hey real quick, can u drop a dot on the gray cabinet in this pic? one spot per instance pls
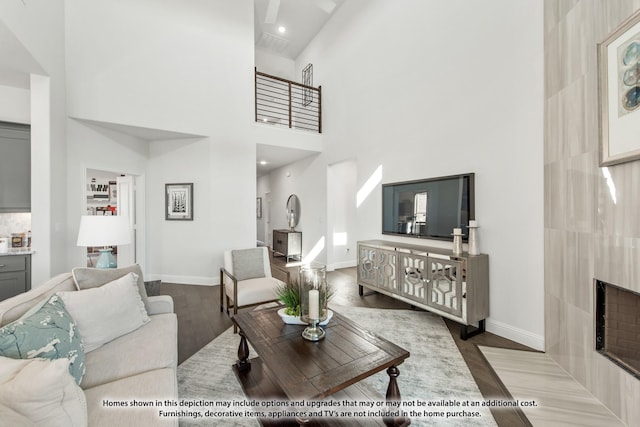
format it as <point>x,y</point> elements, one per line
<point>453,286</point>
<point>15,275</point>
<point>378,268</point>
<point>15,168</point>
<point>288,243</point>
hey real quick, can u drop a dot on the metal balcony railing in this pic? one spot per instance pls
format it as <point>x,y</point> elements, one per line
<point>287,103</point>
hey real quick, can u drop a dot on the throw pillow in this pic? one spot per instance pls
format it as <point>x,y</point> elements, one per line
<point>248,263</point>
<point>108,312</point>
<point>87,278</point>
<point>42,392</point>
<point>46,331</point>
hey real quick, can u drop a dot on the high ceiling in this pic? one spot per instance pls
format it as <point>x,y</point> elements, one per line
<point>302,20</point>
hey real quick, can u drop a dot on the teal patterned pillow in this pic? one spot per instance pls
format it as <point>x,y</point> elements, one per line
<point>48,332</point>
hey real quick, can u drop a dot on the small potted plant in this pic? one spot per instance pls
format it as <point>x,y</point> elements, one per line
<point>289,295</point>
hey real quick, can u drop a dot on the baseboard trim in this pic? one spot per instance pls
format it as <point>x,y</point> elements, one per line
<point>341,264</point>
<point>184,280</point>
<point>518,335</point>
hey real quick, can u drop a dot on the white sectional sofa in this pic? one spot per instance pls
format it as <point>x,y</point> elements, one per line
<point>119,375</point>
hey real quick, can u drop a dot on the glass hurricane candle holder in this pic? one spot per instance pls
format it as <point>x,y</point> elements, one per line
<point>313,299</point>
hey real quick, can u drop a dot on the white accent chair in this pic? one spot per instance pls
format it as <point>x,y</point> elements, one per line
<point>246,280</point>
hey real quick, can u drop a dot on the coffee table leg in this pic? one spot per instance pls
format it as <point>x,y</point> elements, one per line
<point>303,421</point>
<point>393,395</point>
<point>243,363</point>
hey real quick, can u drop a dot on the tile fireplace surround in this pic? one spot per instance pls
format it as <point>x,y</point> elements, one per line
<point>591,214</point>
<point>617,323</point>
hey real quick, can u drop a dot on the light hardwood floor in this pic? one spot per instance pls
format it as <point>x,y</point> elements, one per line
<point>200,321</point>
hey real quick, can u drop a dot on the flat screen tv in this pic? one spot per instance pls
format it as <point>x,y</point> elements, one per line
<point>428,208</point>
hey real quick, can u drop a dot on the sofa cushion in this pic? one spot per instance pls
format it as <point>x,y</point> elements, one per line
<point>159,384</point>
<point>253,291</point>
<point>106,312</point>
<point>47,331</point>
<point>13,418</point>
<point>13,308</point>
<point>153,346</point>
<point>87,278</point>
<point>42,391</point>
<point>248,263</point>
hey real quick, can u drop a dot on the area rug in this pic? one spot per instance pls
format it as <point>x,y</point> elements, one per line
<point>435,378</point>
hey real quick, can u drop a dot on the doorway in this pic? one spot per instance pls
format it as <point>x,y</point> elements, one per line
<point>116,193</point>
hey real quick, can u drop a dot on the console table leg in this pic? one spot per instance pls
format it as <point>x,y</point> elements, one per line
<point>465,333</point>
<point>393,395</point>
<point>361,291</point>
<point>243,363</point>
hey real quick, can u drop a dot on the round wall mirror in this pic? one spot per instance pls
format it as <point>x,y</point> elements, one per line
<point>293,211</point>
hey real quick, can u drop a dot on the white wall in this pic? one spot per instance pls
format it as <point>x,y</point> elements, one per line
<point>341,214</point>
<point>118,152</point>
<point>15,105</point>
<point>269,63</point>
<point>413,92</point>
<point>180,67</point>
<point>38,28</point>
<point>306,179</point>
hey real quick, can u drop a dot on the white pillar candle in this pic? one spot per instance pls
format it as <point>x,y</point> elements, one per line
<point>473,223</point>
<point>457,231</point>
<point>314,304</point>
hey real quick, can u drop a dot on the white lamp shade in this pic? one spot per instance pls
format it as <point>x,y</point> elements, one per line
<point>104,230</point>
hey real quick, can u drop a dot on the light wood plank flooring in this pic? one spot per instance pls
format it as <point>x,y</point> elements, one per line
<point>560,400</point>
<point>200,321</point>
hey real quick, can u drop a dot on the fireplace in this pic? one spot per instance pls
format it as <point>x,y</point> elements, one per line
<point>618,325</point>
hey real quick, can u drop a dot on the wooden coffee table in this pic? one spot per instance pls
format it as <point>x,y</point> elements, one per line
<point>292,368</point>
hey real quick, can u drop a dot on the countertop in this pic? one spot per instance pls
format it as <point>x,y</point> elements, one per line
<point>19,251</point>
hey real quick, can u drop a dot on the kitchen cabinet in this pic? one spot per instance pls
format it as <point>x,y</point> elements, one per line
<point>15,168</point>
<point>15,275</point>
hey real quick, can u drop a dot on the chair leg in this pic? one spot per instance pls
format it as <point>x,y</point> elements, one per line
<point>222,293</point>
<point>235,311</point>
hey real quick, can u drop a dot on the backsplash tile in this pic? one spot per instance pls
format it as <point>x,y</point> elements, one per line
<point>15,223</point>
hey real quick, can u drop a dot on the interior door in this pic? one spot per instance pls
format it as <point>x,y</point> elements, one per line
<point>266,213</point>
<point>127,207</point>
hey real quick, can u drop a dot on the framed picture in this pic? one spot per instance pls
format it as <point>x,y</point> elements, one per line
<point>619,94</point>
<point>179,202</point>
<point>259,207</point>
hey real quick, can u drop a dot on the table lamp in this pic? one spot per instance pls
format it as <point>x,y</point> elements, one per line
<point>104,230</point>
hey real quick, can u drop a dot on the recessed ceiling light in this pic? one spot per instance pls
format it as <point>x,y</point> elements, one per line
<point>262,162</point>
<point>282,29</point>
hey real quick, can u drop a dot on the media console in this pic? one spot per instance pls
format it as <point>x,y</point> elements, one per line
<point>435,279</point>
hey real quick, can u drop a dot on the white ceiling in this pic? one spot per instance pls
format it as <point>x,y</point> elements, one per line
<point>302,19</point>
<point>277,157</point>
<point>15,61</point>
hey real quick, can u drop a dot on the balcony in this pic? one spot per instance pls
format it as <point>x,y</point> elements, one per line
<point>282,102</point>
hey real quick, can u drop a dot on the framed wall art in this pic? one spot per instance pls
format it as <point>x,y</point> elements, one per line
<point>179,202</point>
<point>619,93</point>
